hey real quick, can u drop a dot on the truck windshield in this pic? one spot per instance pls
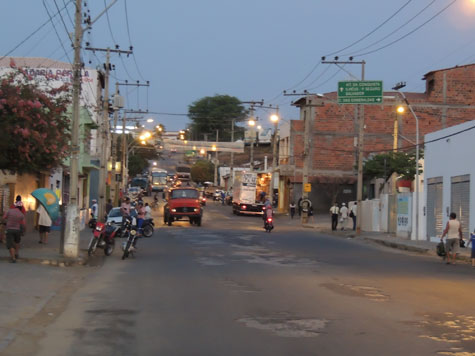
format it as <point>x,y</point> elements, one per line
<point>184,193</point>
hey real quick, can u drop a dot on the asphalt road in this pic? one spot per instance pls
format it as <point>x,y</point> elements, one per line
<point>229,288</point>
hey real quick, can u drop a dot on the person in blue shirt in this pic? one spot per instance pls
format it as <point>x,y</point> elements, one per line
<point>472,241</point>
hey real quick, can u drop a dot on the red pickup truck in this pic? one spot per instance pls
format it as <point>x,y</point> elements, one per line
<point>183,202</point>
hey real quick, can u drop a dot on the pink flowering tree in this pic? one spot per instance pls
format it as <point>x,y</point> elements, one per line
<point>34,127</point>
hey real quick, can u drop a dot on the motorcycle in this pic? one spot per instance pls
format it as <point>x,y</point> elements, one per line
<point>103,237</point>
<point>268,219</point>
<point>268,224</point>
<point>128,247</point>
<point>147,227</point>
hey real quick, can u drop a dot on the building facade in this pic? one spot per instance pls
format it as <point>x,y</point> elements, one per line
<point>447,101</point>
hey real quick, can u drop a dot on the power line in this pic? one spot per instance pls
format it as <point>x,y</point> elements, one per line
<point>396,30</point>
<point>373,31</point>
<point>407,34</point>
<point>62,20</point>
<point>130,40</point>
<point>57,34</point>
<point>330,78</point>
<point>33,33</point>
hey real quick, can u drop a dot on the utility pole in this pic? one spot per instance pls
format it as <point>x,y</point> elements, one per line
<point>105,153</point>
<point>360,147</point>
<point>308,117</point>
<point>71,242</point>
<point>274,157</point>
<point>252,123</point>
<point>105,141</point>
<point>232,140</point>
<point>216,161</point>
<point>114,194</point>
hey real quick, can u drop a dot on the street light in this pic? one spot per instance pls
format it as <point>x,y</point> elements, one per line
<point>213,148</point>
<point>275,119</point>
<point>149,120</point>
<point>202,151</point>
<point>397,87</point>
<point>252,123</point>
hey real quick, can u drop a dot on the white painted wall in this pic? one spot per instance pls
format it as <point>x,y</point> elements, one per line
<point>449,157</point>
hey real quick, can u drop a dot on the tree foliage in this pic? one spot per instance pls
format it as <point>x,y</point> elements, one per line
<point>35,130</point>
<point>202,171</point>
<point>213,113</point>
<point>137,164</point>
<point>385,164</point>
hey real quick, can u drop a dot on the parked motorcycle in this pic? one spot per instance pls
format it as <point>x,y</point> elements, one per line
<point>103,237</point>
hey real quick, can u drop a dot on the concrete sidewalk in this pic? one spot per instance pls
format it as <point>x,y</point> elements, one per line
<point>322,223</point>
<point>33,252</point>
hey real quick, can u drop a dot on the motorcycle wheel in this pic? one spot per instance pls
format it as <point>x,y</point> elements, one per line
<point>92,246</point>
<point>147,230</point>
<point>109,249</point>
<point>169,221</point>
<point>126,250</point>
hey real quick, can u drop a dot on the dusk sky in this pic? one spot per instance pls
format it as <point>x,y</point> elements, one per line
<point>250,49</point>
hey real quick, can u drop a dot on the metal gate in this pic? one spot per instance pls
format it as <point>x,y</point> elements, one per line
<point>434,207</point>
<point>460,200</point>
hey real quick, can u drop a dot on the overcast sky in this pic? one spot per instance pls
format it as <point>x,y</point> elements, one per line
<point>249,49</point>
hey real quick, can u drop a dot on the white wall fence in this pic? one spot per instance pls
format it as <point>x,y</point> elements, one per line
<point>395,215</point>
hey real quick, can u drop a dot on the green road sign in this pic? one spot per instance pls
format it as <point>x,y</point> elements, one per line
<point>360,92</point>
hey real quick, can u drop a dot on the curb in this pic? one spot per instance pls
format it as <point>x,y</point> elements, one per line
<point>55,262</point>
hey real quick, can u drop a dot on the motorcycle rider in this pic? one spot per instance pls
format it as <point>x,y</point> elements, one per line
<point>268,213</point>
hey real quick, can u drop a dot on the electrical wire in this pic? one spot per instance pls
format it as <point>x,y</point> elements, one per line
<point>33,33</point>
<point>57,34</point>
<point>130,41</point>
<point>407,34</point>
<point>330,78</point>
<point>396,30</point>
<point>62,20</point>
<point>373,31</point>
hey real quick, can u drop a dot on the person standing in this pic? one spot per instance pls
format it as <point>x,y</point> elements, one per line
<point>14,220</point>
<point>94,208</point>
<point>353,211</point>
<point>44,224</point>
<point>292,209</point>
<point>334,211</point>
<point>148,212</point>
<point>453,230</point>
<point>344,215</point>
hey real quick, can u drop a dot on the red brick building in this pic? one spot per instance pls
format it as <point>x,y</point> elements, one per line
<point>449,100</point>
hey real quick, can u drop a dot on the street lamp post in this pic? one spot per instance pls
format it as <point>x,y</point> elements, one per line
<point>252,123</point>
<point>397,87</point>
<point>275,119</point>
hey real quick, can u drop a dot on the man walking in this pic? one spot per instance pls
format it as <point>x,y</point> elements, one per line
<point>334,211</point>
<point>14,219</point>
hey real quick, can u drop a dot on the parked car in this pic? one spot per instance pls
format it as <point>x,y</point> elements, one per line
<point>183,203</point>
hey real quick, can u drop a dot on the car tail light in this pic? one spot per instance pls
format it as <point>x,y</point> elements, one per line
<point>269,219</point>
<point>244,207</point>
